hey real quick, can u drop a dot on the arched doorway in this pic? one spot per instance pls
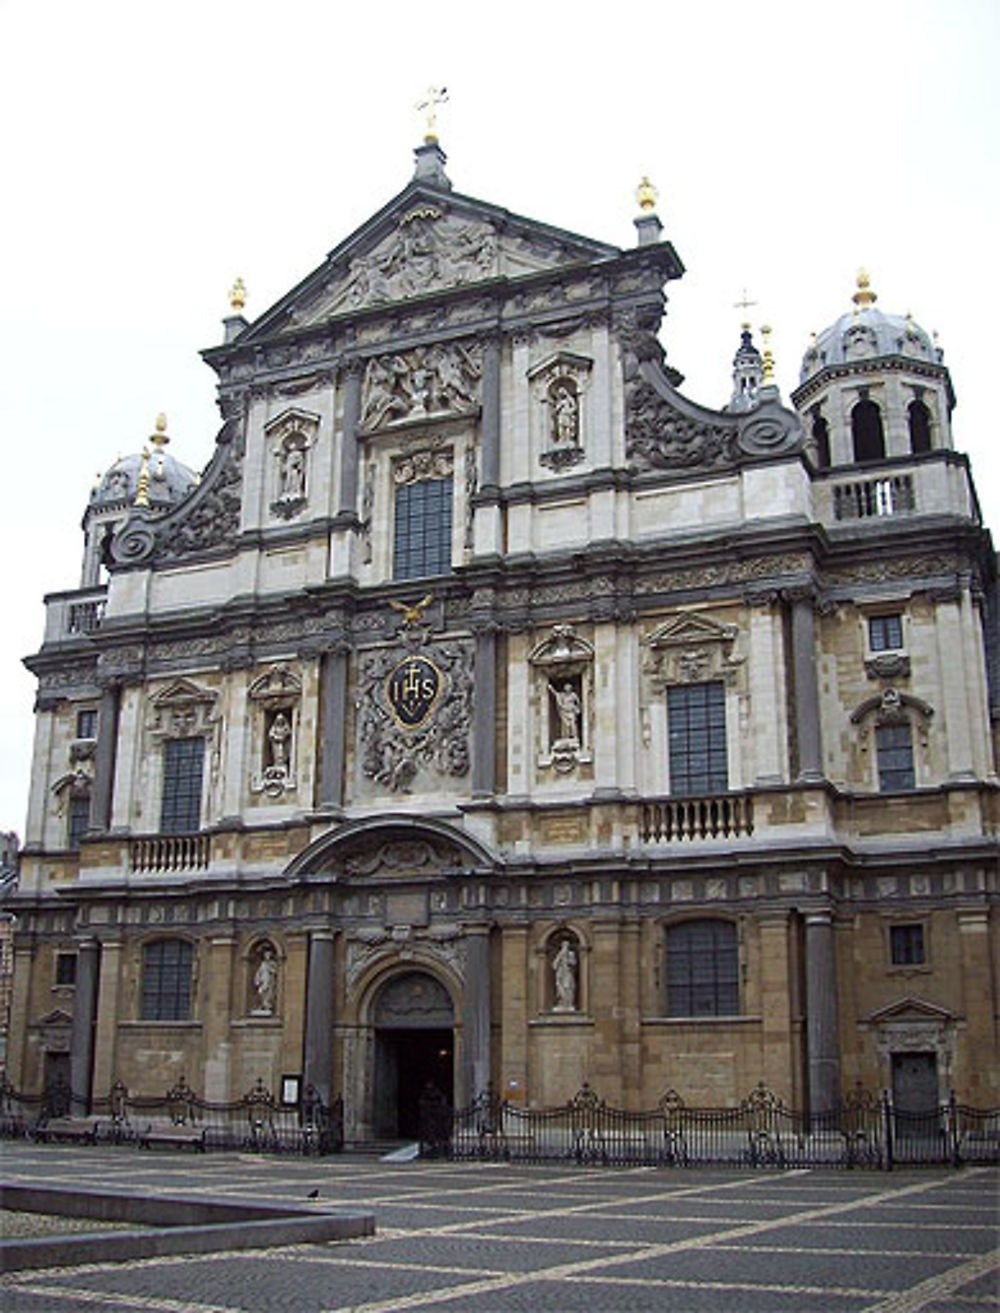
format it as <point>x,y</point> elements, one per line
<point>414,1049</point>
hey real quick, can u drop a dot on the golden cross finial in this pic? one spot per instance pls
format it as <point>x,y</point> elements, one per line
<point>767,355</point>
<point>744,304</point>
<point>428,106</point>
<point>238,295</point>
<point>646,194</point>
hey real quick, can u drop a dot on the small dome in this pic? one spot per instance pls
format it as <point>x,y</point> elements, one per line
<point>169,480</point>
<point>866,333</point>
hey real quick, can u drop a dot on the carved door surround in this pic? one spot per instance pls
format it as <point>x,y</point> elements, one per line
<point>912,1025</point>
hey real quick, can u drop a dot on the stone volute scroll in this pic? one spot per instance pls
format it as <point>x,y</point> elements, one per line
<point>559,385</point>
<point>562,673</point>
<point>275,698</point>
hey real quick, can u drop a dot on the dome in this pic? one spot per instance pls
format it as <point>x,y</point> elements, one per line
<point>866,333</point>
<point>169,480</point>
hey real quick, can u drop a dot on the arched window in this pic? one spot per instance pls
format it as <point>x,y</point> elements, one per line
<point>166,980</point>
<point>702,969</point>
<point>920,426</point>
<point>866,430</point>
<point>821,436</point>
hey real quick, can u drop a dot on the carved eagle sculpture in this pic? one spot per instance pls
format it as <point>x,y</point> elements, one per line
<point>412,615</point>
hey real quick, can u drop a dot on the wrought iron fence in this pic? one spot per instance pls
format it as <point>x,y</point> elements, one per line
<point>178,1118</point>
<point>865,1131</point>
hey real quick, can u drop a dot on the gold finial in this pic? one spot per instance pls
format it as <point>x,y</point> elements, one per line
<point>159,438</point>
<point>767,355</point>
<point>864,296</point>
<point>142,483</point>
<point>428,106</point>
<point>647,195</point>
<point>238,296</point>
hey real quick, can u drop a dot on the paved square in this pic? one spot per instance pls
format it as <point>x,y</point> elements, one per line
<point>546,1238</point>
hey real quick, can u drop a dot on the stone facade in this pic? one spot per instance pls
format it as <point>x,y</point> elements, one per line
<point>491,714</point>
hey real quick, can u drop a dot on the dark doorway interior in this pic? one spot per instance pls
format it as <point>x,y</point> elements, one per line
<point>407,1061</point>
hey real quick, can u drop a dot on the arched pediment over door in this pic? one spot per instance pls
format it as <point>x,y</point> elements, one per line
<point>392,845</point>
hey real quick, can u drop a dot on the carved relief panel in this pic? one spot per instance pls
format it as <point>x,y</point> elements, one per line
<point>428,382</point>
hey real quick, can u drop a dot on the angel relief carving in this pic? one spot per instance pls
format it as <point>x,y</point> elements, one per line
<point>427,381</point>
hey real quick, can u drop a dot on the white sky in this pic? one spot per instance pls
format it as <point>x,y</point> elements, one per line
<point>154,152</point>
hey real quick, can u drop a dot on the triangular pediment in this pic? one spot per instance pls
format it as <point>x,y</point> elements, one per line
<point>911,1009</point>
<point>423,242</point>
<point>182,692</point>
<point>691,627</point>
<point>57,1017</point>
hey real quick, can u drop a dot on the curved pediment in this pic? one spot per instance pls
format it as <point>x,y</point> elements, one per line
<point>393,846</point>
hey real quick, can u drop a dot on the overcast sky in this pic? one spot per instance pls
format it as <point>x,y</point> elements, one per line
<point>155,152</point>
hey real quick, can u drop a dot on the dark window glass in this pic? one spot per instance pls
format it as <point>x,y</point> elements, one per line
<point>86,724</point>
<point>65,968</point>
<point>866,430</point>
<point>894,747</point>
<point>821,436</point>
<point>422,532</point>
<point>907,944</point>
<point>920,427</point>
<point>79,820</point>
<point>166,980</point>
<point>885,633</point>
<point>702,970</point>
<point>183,764</point>
<point>696,726</point>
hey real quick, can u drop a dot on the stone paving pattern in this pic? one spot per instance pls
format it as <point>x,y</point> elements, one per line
<point>477,1237</point>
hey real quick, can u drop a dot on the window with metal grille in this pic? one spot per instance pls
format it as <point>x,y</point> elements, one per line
<point>166,980</point>
<point>885,633</point>
<point>894,750</point>
<point>183,767</point>
<point>702,969</point>
<point>696,729</point>
<point>906,944</point>
<point>65,968</point>
<point>79,820</point>
<point>422,529</point>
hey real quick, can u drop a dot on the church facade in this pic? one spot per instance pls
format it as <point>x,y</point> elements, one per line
<point>490,714</point>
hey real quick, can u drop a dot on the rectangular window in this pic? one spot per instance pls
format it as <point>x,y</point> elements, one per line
<point>166,981</point>
<point>894,748</point>
<point>183,766</point>
<point>79,820</point>
<point>906,943</point>
<point>885,633</point>
<point>86,724</point>
<point>422,530</point>
<point>702,969</point>
<point>696,719</point>
<point>65,968</point>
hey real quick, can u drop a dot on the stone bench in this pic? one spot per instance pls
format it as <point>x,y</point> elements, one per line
<point>172,1137</point>
<point>81,1129</point>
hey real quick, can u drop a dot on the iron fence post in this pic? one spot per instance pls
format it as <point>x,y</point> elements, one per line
<point>887,1129</point>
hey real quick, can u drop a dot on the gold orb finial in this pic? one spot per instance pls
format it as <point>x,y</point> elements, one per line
<point>238,295</point>
<point>647,195</point>
<point>767,355</point>
<point>864,296</point>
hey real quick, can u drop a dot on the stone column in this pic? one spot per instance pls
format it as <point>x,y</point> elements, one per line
<point>821,1013</point>
<point>317,1068</point>
<point>353,375</point>
<point>333,718</point>
<point>81,1044</point>
<point>484,746</point>
<point>104,760</point>
<point>476,1072</point>
<point>490,422</point>
<point>806,684</point>
<point>105,1065</point>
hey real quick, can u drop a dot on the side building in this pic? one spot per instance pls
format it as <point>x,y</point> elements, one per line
<point>489,713</point>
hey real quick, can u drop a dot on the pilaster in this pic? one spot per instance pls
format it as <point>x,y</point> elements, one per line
<point>81,1053</point>
<point>317,1066</point>
<point>821,1013</point>
<point>476,1071</point>
<point>108,1006</point>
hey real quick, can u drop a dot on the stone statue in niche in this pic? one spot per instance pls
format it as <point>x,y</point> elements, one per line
<point>265,983</point>
<point>277,737</point>
<point>565,415</point>
<point>277,752</point>
<point>292,473</point>
<point>564,966</point>
<point>568,709</point>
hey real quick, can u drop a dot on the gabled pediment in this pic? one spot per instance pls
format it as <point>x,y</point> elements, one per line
<point>182,692</point>
<point>57,1017</point>
<point>424,241</point>
<point>691,627</point>
<point>910,1009</point>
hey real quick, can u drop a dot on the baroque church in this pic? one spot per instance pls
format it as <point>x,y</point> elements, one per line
<point>490,714</point>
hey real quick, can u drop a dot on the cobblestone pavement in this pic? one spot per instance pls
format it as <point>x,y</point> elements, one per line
<point>502,1238</point>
